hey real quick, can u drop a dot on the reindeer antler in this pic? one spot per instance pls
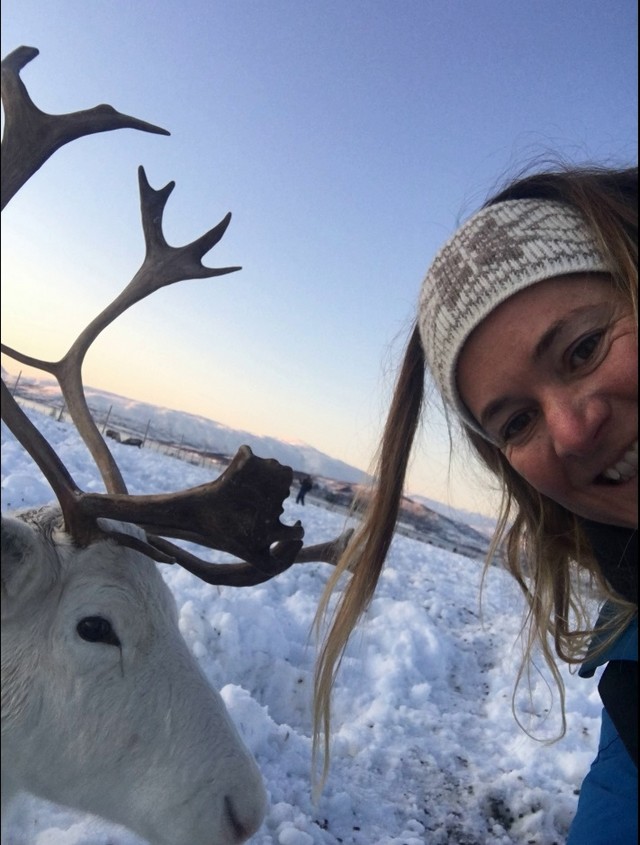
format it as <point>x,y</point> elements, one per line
<point>163,265</point>
<point>238,512</point>
<point>31,136</point>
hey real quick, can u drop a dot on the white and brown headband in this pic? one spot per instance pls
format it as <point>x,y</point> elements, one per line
<point>501,250</point>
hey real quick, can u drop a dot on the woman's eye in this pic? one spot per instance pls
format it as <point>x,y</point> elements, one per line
<point>584,350</point>
<point>516,425</point>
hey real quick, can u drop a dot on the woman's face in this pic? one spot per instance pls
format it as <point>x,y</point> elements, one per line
<point>551,375</point>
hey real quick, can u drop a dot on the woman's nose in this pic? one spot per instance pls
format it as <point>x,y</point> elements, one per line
<point>575,422</point>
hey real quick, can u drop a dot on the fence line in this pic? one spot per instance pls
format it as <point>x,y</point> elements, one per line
<point>188,454</point>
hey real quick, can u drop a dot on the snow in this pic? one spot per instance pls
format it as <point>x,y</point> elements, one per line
<point>426,750</point>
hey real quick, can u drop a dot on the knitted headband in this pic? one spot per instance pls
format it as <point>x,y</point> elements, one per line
<point>499,251</point>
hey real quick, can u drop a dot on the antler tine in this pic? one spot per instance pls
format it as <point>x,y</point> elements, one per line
<point>330,552</point>
<point>166,264</point>
<point>31,136</point>
<point>283,555</point>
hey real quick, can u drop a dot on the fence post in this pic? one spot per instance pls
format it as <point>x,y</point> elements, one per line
<point>106,419</point>
<point>15,386</point>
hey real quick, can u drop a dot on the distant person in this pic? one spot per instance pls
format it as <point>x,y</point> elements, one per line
<point>527,325</point>
<point>305,485</point>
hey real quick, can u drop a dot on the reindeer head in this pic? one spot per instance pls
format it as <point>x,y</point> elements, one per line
<point>103,707</point>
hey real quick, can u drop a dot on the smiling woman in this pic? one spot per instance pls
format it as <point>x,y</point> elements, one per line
<point>527,324</point>
<point>558,393</point>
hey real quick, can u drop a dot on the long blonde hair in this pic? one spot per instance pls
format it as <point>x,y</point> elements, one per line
<point>545,548</point>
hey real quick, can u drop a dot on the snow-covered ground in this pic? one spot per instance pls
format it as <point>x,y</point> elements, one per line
<point>426,750</point>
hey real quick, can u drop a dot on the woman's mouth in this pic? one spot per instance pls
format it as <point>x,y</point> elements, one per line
<point>624,469</point>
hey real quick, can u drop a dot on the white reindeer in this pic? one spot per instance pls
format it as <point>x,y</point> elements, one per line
<point>103,707</point>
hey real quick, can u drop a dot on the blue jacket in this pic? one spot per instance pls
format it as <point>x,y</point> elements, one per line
<point>608,805</point>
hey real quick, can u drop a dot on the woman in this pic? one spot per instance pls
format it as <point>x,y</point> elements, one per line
<point>527,324</point>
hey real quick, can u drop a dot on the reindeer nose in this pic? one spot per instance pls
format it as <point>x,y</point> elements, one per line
<point>243,822</point>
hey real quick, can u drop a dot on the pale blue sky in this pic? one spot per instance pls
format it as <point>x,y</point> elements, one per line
<point>347,138</point>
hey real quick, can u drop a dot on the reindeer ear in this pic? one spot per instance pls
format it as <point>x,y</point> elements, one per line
<point>22,553</point>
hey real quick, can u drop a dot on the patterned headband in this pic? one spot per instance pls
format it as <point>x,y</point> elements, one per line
<point>499,251</point>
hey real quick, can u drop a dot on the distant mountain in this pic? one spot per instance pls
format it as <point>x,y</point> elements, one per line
<point>484,524</point>
<point>415,519</point>
<point>336,484</point>
<point>129,417</point>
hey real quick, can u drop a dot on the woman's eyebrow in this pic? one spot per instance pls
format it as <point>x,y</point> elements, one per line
<point>549,337</point>
<point>492,409</point>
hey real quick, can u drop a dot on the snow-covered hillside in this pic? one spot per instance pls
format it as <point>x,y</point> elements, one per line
<point>425,749</point>
<point>164,425</point>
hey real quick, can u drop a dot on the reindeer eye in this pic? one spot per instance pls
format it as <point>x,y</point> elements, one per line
<point>96,629</point>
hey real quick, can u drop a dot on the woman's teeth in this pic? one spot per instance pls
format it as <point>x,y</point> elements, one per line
<point>626,467</point>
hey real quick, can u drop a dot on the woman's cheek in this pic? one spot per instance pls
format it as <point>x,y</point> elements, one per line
<point>530,465</point>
